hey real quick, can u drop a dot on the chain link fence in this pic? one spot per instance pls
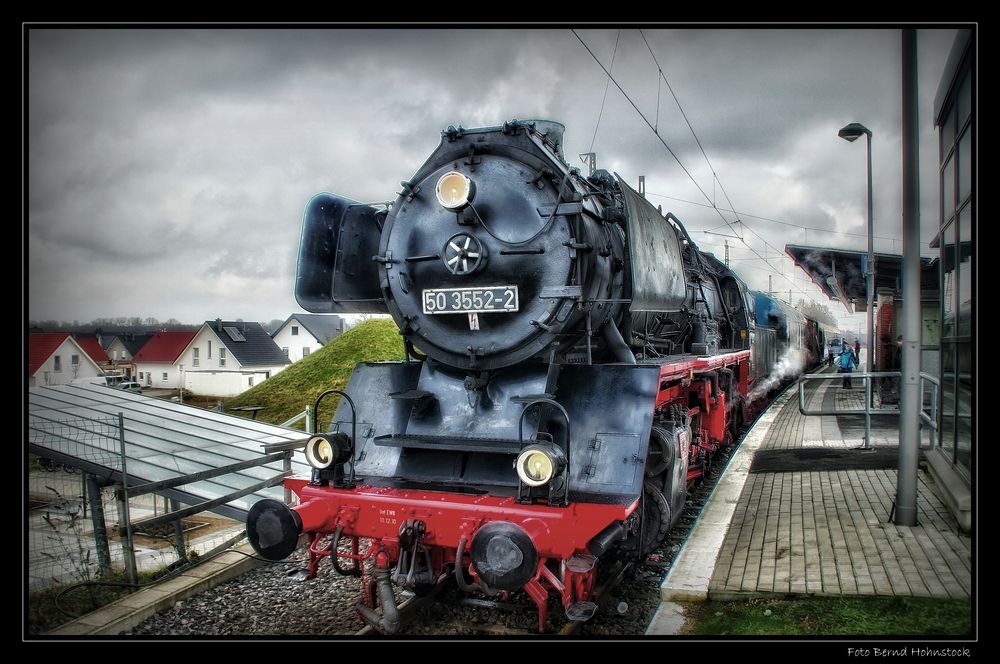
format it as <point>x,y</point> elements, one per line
<point>77,512</point>
<point>72,514</point>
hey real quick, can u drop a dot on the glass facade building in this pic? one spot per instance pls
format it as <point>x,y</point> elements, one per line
<point>955,119</point>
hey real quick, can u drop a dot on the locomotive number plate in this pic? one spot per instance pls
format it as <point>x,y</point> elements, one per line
<point>498,299</point>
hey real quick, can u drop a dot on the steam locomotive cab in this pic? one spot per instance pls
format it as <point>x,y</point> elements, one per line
<point>572,356</point>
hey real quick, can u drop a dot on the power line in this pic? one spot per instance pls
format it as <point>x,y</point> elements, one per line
<point>776,221</point>
<point>683,168</point>
<point>715,177</point>
<point>646,120</point>
<point>606,86</point>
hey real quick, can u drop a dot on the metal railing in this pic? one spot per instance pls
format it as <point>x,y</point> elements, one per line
<point>96,448</point>
<point>927,419</point>
<point>930,419</point>
<point>304,415</point>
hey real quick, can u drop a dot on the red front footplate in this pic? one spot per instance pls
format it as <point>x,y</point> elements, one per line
<point>378,512</point>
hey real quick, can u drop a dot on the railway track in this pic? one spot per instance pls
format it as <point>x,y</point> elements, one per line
<point>264,602</point>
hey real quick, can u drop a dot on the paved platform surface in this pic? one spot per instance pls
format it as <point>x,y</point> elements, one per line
<point>815,532</point>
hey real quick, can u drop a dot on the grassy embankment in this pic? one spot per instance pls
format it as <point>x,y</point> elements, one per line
<point>287,393</point>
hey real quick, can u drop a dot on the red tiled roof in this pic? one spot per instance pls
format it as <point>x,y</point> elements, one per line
<point>40,346</point>
<point>164,347</point>
<point>92,348</point>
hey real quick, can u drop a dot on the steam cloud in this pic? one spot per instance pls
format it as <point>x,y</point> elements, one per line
<point>791,363</point>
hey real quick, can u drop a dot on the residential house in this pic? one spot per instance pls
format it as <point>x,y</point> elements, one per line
<point>92,346</point>
<point>56,358</point>
<point>302,334</point>
<point>228,357</point>
<point>123,347</point>
<point>156,363</point>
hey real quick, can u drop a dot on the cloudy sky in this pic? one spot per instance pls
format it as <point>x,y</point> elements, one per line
<point>168,169</point>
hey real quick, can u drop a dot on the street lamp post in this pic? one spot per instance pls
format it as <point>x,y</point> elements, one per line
<point>851,133</point>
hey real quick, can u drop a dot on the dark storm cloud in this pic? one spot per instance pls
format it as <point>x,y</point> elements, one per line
<point>188,155</point>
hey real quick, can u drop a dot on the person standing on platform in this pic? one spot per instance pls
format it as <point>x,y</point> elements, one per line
<point>857,351</point>
<point>847,362</point>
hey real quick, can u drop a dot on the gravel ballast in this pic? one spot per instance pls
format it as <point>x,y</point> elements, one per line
<point>266,602</point>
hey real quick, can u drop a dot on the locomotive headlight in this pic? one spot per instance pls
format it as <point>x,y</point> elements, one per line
<point>319,452</point>
<point>324,450</point>
<point>454,191</point>
<point>538,464</point>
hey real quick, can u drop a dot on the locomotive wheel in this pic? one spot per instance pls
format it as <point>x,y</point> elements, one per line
<point>656,518</point>
<point>661,453</point>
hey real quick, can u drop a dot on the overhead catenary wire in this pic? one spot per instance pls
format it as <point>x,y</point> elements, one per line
<point>776,221</point>
<point>686,171</point>
<point>606,86</point>
<point>715,176</point>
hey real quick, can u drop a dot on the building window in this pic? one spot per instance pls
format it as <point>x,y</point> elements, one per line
<point>74,360</point>
<point>222,356</point>
<point>250,381</point>
<point>267,374</point>
<point>57,364</point>
<point>295,330</point>
<point>164,376</point>
<point>956,240</point>
<point>209,349</point>
<point>305,351</point>
<point>140,375</point>
<point>284,349</point>
<point>194,359</point>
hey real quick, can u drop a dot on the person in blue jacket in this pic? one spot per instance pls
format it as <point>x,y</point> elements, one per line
<point>845,364</point>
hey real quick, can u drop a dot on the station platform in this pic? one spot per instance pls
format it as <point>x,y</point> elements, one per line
<point>802,511</point>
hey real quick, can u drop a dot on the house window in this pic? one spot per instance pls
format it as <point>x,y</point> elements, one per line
<point>74,360</point>
<point>194,359</point>
<point>140,375</point>
<point>284,349</point>
<point>305,351</point>
<point>267,374</point>
<point>57,364</point>
<point>250,381</point>
<point>222,356</point>
<point>295,330</point>
<point>164,376</point>
<point>210,349</point>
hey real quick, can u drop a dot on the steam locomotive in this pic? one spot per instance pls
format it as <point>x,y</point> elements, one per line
<point>574,362</point>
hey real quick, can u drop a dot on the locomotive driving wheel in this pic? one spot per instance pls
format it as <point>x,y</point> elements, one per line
<point>656,519</point>
<point>661,453</point>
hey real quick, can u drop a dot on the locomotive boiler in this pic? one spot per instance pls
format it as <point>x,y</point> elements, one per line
<point>574,361</point>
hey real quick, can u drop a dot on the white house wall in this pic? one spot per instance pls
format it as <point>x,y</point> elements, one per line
<point>47,374</point>
<point>117,351</point>
<point>285,339</point>
<point>222,383</point>
<point>205,335</point>
<point>152,374</point>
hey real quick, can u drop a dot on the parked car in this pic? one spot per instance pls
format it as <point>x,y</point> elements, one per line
<point>131,387</point>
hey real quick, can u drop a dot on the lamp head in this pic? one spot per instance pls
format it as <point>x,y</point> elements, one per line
<point>853,132</point>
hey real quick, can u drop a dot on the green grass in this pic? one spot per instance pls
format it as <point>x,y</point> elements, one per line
<point>827,616</point>
<point>286,394</point>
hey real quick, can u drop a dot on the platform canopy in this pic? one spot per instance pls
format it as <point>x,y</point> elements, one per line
<point>839,273</point>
